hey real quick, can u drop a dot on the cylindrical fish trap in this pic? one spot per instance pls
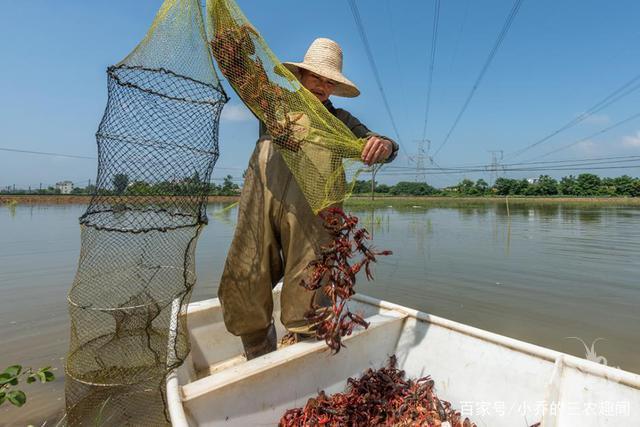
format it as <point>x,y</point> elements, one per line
<point>157,145</point>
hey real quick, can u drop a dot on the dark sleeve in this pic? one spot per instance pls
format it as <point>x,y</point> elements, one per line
<point>262,129</point>
<point>263,132</point>
<point>361,131</point>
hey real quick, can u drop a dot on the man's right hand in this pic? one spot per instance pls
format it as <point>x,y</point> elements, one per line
<point>376,150</point>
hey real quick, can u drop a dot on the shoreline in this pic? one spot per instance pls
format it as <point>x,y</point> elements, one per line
<point>71,199</point>
<point>80,199</point>
<point>406,200</point>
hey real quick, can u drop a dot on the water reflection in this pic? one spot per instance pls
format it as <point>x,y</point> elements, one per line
<point>467,212</point>
<point>11,207</point>
<point>588,215</point>
<point>225,213</point>
<point>374,221</point>
<point>545,212</point>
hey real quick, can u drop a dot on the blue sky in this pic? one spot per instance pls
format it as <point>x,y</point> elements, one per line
<point>558,59</point>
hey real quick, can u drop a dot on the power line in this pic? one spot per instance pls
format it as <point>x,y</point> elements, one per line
<point>586,161</point>
<point>363,36</point>
<point>616,95</point>
<point>396,58</point>
<point>434,39</point>
<point>459,35</point>
<point>485,67</point>
<point>600,132</point>
<point>580,164</point>
<point>523,169</point>
<point>78,156</point>
<point>43,153</point>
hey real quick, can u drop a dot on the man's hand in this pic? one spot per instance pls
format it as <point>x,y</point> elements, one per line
<point>376,150</point>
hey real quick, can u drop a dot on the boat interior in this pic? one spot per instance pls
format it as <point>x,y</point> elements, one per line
<point>493,379</point>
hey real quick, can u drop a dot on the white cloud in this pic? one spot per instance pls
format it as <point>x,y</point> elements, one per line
<point>587,147</point>
<point>236,113</point>
<point>597,119</point>
<point>632,141</point>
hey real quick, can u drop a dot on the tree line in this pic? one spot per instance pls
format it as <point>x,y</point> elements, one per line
<point>122,185</point>
<point>186,186</point>
<point>585,184</point>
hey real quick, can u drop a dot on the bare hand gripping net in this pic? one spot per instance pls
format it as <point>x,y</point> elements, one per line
<point>157,145</point>
<point>315,144</point>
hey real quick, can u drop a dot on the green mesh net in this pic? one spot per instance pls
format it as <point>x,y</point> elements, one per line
<point>157,145</point>
<point>316,146</point>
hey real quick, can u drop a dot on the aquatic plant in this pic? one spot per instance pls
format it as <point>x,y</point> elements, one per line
<point>590,353</point>
<point>11,377</point>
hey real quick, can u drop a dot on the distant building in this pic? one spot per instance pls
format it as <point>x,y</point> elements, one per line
<point>65,187</point>
<point>532,180</point>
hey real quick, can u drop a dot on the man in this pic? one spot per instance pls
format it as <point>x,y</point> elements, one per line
<point>277,234</point>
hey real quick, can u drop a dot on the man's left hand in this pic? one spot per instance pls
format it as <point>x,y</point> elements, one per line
<point>376,150</point>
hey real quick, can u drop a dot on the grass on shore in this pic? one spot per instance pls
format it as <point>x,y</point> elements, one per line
<point>379,201</point>
<point>403,201</point>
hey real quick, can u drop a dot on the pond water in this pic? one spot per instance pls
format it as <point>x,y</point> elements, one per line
<point>541,273</point>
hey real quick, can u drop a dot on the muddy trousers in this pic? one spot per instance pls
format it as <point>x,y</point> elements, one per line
<point>276,237</point>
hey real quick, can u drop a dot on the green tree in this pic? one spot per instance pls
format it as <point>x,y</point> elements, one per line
<point>214,189</point>
<point>546,186</point>
<point>120,182</point>
<point>362,186</point>
<point>587,184</point>
<point>607,187</point>
<point>140,188</point>
<point>228,187</point>
<point>407,188</point>
<point>481,187</point>
<point>624,185</point>
<point>503,186</point>
<point>382,188</point>
<point>466,187</point>
<point>521,187</point>
<point>191,185</point>
<point>635,188</point>
<point>568,186</point>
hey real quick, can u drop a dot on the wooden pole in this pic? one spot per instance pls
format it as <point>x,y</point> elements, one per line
<point>373,182</point>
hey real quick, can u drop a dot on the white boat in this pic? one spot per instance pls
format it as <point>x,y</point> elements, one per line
<point>492,379</point>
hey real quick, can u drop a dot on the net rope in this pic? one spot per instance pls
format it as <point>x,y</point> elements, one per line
<point>318,148</point>
<point>157,146</point>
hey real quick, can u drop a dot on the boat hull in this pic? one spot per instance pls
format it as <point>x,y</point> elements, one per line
<point>492,379</point>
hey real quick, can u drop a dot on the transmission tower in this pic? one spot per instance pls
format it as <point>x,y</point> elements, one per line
<point>419,159</point>
<point>495,166</point>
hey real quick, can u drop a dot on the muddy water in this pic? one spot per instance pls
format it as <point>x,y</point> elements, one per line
<point>539,273</point>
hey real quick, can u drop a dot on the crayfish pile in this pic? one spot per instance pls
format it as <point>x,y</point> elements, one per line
<point>379,397</point>
<point>333,273</point>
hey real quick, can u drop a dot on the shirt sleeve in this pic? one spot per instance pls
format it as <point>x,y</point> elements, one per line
<point>361,131</point>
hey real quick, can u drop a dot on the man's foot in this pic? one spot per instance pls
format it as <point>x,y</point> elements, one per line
<point>260,343</point>
<point>291,338</point>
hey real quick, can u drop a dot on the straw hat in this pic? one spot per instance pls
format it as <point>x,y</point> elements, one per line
<point>324,57</point>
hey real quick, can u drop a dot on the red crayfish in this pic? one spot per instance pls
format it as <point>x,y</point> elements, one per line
<point>380,397</point>
<point>333,274</point>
